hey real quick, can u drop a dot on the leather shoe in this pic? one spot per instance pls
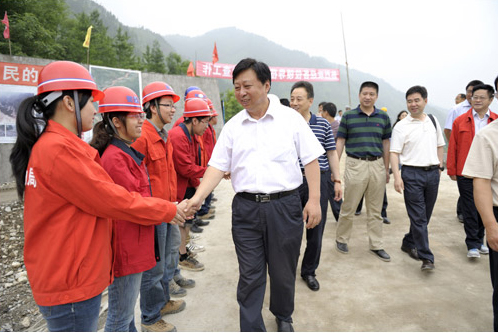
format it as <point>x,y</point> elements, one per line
<point>342,247</point>
<point>411,252</point>
<point>427,265</point>
<point>200,223</point>
<point>386,220</point>
<point>195,228</point>
<point>312,282</point>
<point>381,254</point>
<point>284,326</point>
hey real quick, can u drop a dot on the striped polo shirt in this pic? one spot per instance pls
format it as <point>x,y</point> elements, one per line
<point>323,132</point>
<point>363,133</point>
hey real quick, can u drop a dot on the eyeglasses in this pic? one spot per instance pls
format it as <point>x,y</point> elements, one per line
<point>205,122</point>
<point>169,106</point>
<point>140,115</point>
<point>479,98</point>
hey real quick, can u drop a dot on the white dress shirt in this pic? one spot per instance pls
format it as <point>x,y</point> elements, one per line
<point>417,141</point>
<point>456,111</point>
<point>478,122</point>
<point>262,155</point>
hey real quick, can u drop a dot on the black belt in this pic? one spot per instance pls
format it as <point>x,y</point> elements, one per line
<point>368,158</point>
<point>261,197</point>
<point>426,168</point>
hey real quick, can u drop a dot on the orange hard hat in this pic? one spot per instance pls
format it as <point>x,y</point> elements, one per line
<point>158,89</point>
<point>196,107</point>
<point>214,113</point>
<point>67,75</point>
<point>120,99</point>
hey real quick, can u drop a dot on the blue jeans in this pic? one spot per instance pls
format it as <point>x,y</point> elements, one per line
<point>73,317</point>
<point>153,293</point>
<point>172,258</point>
<point>123,294</point>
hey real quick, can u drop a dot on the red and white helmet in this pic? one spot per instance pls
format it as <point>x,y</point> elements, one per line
<point>195,93</point>
<point>67,75</point>
<point>214,113</point>
<point>158,89</point>
<point>196,107</point>
<point>120,99</point>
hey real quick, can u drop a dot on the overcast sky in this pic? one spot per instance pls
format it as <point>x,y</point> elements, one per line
<point>441,44</point>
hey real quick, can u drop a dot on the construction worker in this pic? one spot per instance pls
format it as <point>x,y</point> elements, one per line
<point>69,199</point>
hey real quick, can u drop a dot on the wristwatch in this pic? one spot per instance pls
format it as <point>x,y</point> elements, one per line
<point>441,168</point>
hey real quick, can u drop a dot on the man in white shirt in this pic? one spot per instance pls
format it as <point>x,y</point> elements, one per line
<point>260,147</point>
<point>417,141</point>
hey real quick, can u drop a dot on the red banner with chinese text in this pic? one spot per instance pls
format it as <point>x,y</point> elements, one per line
<point>278,74</point>
<point>20,74</point>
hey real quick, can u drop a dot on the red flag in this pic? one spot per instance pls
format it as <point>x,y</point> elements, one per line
<point>190,70</point>
<point>215,54</point>
<point>6,32</point>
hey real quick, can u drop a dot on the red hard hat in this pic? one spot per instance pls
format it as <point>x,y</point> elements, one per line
<point>196,94</point>
<point>67,75</point>
<point>158,89</point>
<point>211,106</point>
<point>119,99</point>
<point>196,107</point>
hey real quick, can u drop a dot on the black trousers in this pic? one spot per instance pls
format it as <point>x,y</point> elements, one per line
<point>472,222</point>
<point>334,205</point>
<point>421,188</point>
<point>311,257</point>
<point>493,269</point>
<point>267,237</point>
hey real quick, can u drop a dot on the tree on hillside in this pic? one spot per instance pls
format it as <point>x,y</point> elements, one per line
<point>125,57</point>
<point>35,27</point>
<point>232,106</point>
<point>176,65</point>
<point>153,59</point>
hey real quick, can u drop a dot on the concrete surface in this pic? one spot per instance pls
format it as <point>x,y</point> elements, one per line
<point>358,291</point>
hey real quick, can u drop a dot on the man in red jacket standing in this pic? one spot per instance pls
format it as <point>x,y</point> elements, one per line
<point>462,134</point>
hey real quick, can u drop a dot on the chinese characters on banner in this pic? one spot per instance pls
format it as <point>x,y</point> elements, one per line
<point>19,74</point>
<point>282,74</point>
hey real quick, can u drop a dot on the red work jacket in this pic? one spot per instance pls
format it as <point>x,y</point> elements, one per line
<point>69,203</point>
<point>209,140</point>
<point>186,156</point>
<point>462,135</point>
<point>133,243</point>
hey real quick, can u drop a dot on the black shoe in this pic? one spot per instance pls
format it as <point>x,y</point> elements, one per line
<point>381,254</point>
<point>386,220</point>
<point>284,326</point>
<point>214,199</point>
<point>411,252</point>
<point>460,218</point>
<point>195,228</point>
<point>312,282</point>
<point>200,223</point>
<point>357,213</point>
<point>342,247</point>
<point>427,265</point>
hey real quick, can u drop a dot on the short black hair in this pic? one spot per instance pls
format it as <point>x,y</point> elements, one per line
<point>322,103</point>
<point>487,87</point>
<point>306,85</point>
<point>260,68</point>
<point>473,83</point>
<point>370,84</point>
<point>330,108</point>
<point>417,89</point>
<point>496,83</point>
<point>463,96</point>
<point>284,101</point>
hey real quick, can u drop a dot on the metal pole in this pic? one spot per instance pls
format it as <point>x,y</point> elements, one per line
<point>346,55</point>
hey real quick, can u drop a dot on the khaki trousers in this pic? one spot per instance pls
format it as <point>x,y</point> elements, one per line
<point>369,178</point>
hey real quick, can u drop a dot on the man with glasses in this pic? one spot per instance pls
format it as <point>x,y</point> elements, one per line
<point>482,166</point>
<point>464,129</point>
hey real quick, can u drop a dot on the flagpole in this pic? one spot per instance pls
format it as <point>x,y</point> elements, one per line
<point>346,56</point>
<point>10,50</point>
<point>88,56</point>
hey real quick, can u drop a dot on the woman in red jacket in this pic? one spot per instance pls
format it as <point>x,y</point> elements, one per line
<point>133,243</point>
<point>69,199</point>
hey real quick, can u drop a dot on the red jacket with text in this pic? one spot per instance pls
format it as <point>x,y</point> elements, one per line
<point>187,159</point>
<point>69,203</point>
<point>462,135</point>
<point>133,243</point>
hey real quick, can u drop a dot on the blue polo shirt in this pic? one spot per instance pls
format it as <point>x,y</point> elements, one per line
<point>363,133</point>
<point>323,132</point>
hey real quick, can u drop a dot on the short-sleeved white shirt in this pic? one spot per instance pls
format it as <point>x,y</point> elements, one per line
<point>482,160</point>
<point>455,112</point>
<point>262,155</point>
<point>417,141</point>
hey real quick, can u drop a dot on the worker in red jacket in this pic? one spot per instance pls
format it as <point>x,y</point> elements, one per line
<point>69,199</point>
<point>155,295</point>
<point>463,131</point>
<point>133,243</point>
<point>186,155</point>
